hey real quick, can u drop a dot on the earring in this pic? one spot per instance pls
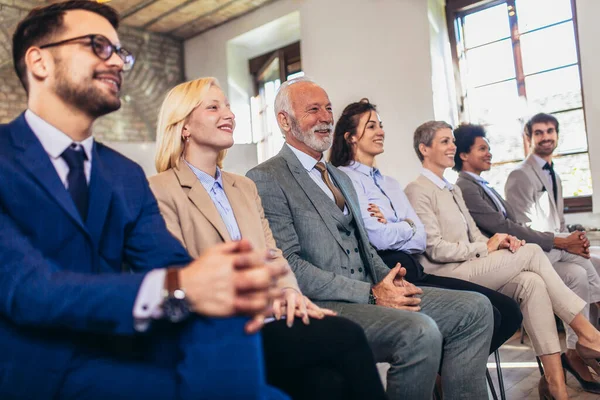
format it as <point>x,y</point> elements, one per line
<point>186,138</point>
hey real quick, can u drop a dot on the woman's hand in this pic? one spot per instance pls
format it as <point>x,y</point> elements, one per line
<point>376,213</point>
<point>294,304</point>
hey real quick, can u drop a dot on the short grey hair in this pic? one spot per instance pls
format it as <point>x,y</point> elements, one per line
<point>425,134</point>
<point>282,100</point>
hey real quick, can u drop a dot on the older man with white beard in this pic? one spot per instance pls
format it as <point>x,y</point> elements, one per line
<point>313,213</point>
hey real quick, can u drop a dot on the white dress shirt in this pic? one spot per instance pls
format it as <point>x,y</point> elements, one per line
<point>309,165</point>
<point>149,299</point>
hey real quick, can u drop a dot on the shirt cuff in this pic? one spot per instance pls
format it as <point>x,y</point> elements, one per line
<point>149,299</point>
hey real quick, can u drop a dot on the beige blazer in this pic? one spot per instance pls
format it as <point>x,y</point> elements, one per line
<point>193,219</point>
<point>530,194</point>
<point>449,242</point>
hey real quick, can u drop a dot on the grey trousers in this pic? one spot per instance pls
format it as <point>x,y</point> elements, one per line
<point>453,328</point>
<point>580,276</point>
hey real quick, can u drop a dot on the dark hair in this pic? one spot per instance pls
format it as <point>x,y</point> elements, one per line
<point>540,118</point>
<point>464,137</point>
<point>341,152</point>
<point>44,22</point>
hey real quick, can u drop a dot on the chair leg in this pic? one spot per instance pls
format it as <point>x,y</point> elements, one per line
<point>522,333</point>
<point>540,365</point>
<point>491,384</point>
<point>500,377</point>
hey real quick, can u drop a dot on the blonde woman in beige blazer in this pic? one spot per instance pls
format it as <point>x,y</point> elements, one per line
<point>203,205</point>
<point>455,247</point>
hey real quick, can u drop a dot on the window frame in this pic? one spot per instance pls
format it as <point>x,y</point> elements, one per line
<point>456,9</point>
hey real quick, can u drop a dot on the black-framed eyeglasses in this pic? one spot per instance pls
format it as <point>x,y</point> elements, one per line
<point>102,47</point>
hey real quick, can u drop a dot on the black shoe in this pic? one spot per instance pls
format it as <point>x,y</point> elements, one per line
<point>592,387</point>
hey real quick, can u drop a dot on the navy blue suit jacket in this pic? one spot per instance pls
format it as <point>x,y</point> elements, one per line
<point>61,282</point>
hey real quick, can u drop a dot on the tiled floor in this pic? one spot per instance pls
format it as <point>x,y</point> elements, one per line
<point>521,373</point>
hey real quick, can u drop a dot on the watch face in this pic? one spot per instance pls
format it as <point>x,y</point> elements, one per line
<point>175,310</point>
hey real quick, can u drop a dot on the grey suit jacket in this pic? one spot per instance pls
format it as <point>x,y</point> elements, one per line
<point>490,219</point>
<point>528,192</point>
<point>306,231</point>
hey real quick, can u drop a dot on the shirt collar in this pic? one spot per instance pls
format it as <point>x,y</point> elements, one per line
<point>541,162</point>
<point>478,178</point>
<point>54,141</point>
<point>439,182</point>
<point>364,169</point>
<point>307,161</point>
<point>207,181</point>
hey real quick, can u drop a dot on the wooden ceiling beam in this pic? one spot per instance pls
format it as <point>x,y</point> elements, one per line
<point>167,13</point>
<point>137,8</point>
<point>203,16</point>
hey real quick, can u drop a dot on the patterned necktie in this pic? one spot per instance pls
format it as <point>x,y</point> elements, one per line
<point>337,195</point>
<point>74,156</point>
<point>550,167</point>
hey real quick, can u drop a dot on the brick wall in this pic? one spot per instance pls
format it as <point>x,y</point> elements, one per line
<point>158,68</point>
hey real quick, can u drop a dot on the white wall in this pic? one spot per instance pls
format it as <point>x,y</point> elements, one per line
<point>354,48</point>
<point>589,31</point>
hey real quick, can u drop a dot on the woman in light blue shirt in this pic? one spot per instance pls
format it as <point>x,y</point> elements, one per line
<point>393,227</point>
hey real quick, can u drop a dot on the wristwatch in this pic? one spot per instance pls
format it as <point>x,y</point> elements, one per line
<point>372,297</point>
<point>412,225</point>
<point>175,306</point>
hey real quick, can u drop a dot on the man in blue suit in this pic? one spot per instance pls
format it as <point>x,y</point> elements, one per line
<point>73,213</point>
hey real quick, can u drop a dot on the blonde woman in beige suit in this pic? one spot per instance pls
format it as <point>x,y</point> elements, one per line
<point>456,248</point>
<point>320,357</point>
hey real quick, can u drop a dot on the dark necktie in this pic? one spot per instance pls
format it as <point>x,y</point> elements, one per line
<point>78,189</point>
<point>550,167</point>
<point>337,195</point>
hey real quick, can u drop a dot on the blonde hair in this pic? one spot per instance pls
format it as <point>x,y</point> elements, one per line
<point>177,106</point>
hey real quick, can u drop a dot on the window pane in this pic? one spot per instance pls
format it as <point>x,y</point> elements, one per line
<point>486,26</point>
<point>555,90</point>
<point>490,63</point>
<point>493,104</point>
<point>548,48</point>
<point>574,171</point>
<point>534,14</point>
<point>572,135</point>
<point>498,174</point>
<point>506,141</point>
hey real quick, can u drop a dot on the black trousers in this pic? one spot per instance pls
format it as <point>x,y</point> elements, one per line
<point>507,314</point>
<point>328,359</point>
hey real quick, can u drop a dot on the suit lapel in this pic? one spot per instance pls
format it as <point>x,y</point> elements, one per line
<point>36,162</point>
<point>541,175</point>
<point>100,195</point>
<point>468,177</point>
<point>241,209</point>
<point>200,198</point>
<point>314,193</point>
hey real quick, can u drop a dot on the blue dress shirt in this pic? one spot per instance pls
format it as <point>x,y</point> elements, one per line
<point>386,193</point>
<point>214,187</point>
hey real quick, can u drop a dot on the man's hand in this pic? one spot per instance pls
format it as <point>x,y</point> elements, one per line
<point>231,279</point>
<point>394,292</point>
<point>576,243</point>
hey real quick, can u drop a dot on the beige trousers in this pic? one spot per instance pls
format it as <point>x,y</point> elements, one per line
<point>528,277</point>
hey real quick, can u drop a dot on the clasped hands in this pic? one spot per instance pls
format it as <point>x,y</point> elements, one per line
<point>504,241</point>
<point>234,279</point>
<point>395,292</point>
<point>576,243</point>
